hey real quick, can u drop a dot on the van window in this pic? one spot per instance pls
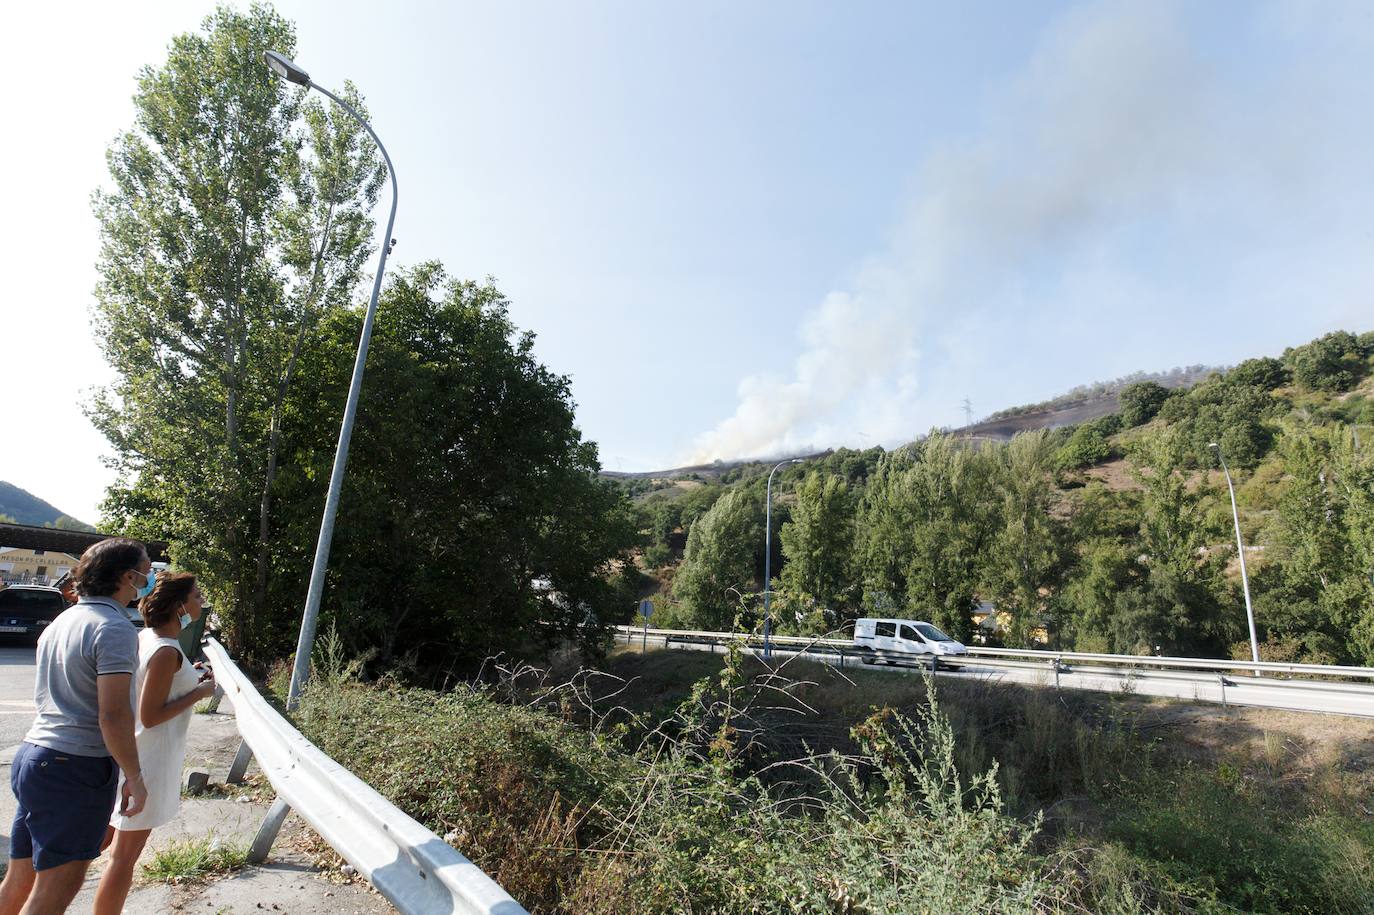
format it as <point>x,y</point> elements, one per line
<point>887,630</point>
<point>933,634</point>
<point>910,634</point>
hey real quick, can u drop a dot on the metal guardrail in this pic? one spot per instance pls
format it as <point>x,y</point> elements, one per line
<point>1268,684</point>
<point>417,871</point>
<point>1043,657</point>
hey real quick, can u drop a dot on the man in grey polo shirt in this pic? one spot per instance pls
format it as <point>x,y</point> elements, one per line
<point>66,771</point>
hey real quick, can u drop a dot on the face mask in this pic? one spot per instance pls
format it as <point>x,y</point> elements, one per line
<point>151,580</point>
<point>185,620</point>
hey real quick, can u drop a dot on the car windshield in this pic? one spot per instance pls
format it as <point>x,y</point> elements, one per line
<point>931,633</point>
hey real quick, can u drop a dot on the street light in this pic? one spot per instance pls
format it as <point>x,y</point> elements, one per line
<point>287,69</point>
<point>1240,549</point>
<point>768,557</point>
<point>276,814</point>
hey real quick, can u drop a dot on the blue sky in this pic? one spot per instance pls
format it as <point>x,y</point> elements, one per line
<point>748,228</point>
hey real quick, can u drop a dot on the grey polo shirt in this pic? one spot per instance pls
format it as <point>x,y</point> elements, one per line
<point>87,640</point>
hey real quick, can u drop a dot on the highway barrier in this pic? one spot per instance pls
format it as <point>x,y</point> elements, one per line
<point>1298,687</point>
<point>415,869</point>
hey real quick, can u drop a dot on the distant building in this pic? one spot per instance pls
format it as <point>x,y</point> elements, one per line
<point>39,567</point>
<point>990,622</point>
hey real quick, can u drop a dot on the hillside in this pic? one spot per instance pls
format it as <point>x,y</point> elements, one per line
<point>1099,521</point>
<point>26,508</point>
<point>1080,405</point>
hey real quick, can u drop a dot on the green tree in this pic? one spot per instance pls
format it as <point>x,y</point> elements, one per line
<point>1353,485</point>
<point>723,552</point>
<point>1265,373</point>
<point>1025,558</point>
<point>1334,362</point>
<point>1316,590</point>
<point>1141,401</point>
<point>236,217</point>
<point>925,521</point>
<point>473,519</point>
<point>1179,608</point>
<point>818,545</point>
<point>1086,446</point>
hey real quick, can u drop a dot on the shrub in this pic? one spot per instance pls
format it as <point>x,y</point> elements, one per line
<point>1335,362</point>
<point>193,860</point>
<point>514,789</point>
<point>1141,401</point>
<point>1247,848</point>
<point>1086,446</point>
<point>1265,373</point>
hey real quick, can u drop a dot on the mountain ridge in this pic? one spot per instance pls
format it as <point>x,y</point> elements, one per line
<point>26,508</point>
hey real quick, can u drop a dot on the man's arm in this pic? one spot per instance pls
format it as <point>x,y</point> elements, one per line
<point>117,727</point>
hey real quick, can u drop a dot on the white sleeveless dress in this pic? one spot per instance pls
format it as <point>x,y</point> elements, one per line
<point>161,748</point>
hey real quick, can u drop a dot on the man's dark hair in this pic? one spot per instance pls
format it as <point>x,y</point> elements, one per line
<point>97,574</point>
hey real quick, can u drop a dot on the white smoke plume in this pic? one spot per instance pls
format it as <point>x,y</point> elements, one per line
<point>1117,124</point>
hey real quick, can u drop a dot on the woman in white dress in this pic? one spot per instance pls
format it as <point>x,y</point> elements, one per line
<point>167,686</point>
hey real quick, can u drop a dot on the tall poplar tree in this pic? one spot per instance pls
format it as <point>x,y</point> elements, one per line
<point>236,214</point>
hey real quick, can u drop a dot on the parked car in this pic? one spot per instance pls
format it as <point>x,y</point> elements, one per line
<point>26,610</point>
<point>904,636</point>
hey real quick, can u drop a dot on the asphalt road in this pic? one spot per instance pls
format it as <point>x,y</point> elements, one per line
<point>16,714</point>
<point>16,698</point>
<point>1340,698</point>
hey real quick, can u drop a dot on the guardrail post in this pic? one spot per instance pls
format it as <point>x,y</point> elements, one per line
<point>213,705</point>
<point>1055,664</point>
<point>1221,680</point>
<point>240,765</point>
<point>267,832</point>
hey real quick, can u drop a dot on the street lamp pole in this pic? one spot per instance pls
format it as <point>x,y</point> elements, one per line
<point>287,69</point>
<point>768,558</point>
<point>1240,549</point>
<point>276,814</point>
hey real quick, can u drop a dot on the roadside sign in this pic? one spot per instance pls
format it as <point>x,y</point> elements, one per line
<point>646,610</point>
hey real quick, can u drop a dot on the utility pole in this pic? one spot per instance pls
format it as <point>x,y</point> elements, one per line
<point>968,412</point>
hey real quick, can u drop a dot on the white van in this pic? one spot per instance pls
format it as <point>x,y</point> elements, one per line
<point>905,636</point>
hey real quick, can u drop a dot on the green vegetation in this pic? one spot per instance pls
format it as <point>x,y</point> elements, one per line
<point>235,236</point>
<point>1114,535</point>
<point>194,860</point>
<point>1176,377</point>
<point>677,782</point>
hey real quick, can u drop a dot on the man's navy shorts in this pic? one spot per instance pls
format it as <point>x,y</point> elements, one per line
<point>65,802</point>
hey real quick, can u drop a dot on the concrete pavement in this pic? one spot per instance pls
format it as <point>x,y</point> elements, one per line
<point>289,882</point>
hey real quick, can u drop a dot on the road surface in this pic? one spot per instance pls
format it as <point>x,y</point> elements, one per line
<point>16,703</point>
<point>1323,696</point>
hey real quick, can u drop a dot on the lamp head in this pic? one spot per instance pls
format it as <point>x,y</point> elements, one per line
<point>1214,445</point>
<point>286,68</point>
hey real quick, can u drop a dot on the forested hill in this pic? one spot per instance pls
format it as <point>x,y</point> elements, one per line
<point>26,508</point>
<point>1110,533</point>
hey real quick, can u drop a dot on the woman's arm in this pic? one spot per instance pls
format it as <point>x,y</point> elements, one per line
<point>153,705</point>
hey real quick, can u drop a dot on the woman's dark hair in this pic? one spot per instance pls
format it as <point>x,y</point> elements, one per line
<point>97,574</point>
<point>165,602</point>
